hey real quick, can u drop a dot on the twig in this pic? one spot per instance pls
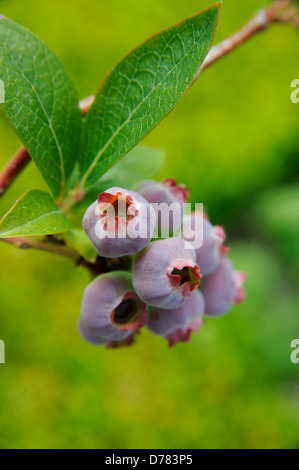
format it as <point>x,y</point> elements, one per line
<point>50,244</point>
<point>278,12</point>
<point>13,169</point>
<point>257,24</point>
<point>43,245</point>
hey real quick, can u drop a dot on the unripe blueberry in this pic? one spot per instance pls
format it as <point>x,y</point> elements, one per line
<point>111,311</point>
<point>165,274</point>
<point>166,192</point>
<point>212,250</point>
<point>119,223</point>
<point>177,324</point>
<point>223,288</point>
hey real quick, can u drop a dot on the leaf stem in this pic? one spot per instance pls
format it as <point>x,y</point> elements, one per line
<point>74,196</point>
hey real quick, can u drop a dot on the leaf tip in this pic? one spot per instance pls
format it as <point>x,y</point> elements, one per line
<point>217,5</point>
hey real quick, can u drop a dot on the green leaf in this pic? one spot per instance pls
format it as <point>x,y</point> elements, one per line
<point>78,239</point>
<point>35,213</point>
<point>142,89</point>
<point>40,102</point>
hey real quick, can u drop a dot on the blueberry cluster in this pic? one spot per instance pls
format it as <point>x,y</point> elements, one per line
<point>173,281</point>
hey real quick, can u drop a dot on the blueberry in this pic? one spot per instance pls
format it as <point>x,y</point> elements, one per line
<point>165,273</point>
<point>177,324</point>
<point>111,311</point>
<point>170,196</point>
<point>223,288</point>
<point>211,251</point>
<point>119,223</point>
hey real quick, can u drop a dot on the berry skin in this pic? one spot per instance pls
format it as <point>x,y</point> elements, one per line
<point>119,223</point>
<point>211,251</point>
<point>111,311</point>
<point>223,289</point>
<point>165,274</point>
<point>177,325</point>
<point>166,192</point>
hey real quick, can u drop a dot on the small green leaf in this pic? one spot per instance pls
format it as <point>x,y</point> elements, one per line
<point>142,89</point>
<point>35,213</point>
<point>78,239</point>
<point>40,102</point>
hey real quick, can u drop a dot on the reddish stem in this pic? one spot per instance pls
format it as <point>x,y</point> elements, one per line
<point>13,169</point>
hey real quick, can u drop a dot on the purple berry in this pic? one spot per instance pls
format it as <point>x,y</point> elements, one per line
<point>223,288</point>
<point>111,311</point>
<point>166,193</point>
<point>165,273</point>
<point>177,325</point>
<point>119,223</point>
<point>211,251</point>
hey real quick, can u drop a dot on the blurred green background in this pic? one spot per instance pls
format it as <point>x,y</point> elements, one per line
<point>234,141</point>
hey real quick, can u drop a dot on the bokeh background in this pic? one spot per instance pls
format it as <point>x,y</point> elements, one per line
<point>234,141</point>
